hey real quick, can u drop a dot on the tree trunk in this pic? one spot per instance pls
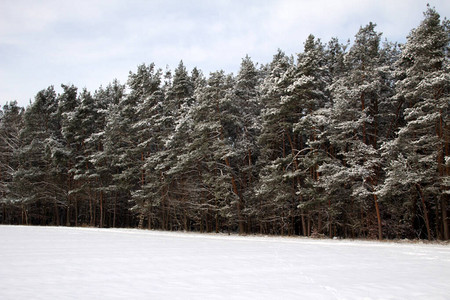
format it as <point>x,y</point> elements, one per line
<point>56,213</point>
<point>185,221</point>
<point>115,210</point>
<point>91,213</point>
<point>235,191</point>
<point>377,209</point>
<point>216,215</point>
<point>4,213</point>
<point>76,212</point>
<point>68,213</point>
<point>308,232</point>
<point>141,221</point>
<point>302,212</point>
<point>330,220</point>
<point>149,225</point>
<point>319,222</point>
<point>425,211</point>
<point>101,209</point>
<point>444,217</point>
<point>24,216</point>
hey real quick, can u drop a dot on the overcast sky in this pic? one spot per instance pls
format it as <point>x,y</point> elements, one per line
<point>89,43</point>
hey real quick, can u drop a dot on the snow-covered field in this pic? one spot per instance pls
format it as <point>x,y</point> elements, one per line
<point>83,263</point>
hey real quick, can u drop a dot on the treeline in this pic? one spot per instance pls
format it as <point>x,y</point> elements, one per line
<point>347,141</point>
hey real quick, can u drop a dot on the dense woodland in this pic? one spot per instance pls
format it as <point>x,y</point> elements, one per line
<point>346,140</point>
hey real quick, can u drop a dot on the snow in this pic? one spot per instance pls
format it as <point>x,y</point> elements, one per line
<point>88,263</point>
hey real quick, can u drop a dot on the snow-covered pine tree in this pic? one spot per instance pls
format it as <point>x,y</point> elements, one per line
<point>11,122</point>
<point>416,168</point>
<point>276,194</point>
<point>102,156</point>
<point>67,102</point>
<point>146,85</point>
<point>121,144</point>
<point>96,108</point>
<point>354,132</point>
<point>318,150</point>
<point>210,153</point>
<point>247,127</point>
<point>173,135</point>
<point>82,124</point>
<point>335,54</point>
<point>37,181</point>
<point>310,91</point>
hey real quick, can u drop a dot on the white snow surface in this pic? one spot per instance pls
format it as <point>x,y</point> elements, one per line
<point>89,263</point>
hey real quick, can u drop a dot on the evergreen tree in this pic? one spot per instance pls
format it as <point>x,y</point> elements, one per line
<point>11,122</point>
<point>276,194</point>
<point>102,158</point>
<point>37,182</point>
<point>146,85</point>
<point>416,167</point>
<point>81,124</point>
<point>210,151</point>
<point>121,147</point>
<point>245,117</point>
<point>309,87</point>
<point>67,103</point>
<point>358,96</point>
<point>175,136</point>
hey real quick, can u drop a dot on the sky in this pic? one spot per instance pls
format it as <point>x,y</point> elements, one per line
<point>90,43</point>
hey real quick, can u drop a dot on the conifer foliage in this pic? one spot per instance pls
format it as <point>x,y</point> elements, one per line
<point>340,140</point>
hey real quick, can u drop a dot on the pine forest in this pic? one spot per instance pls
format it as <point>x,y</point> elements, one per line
<point>347,140</point>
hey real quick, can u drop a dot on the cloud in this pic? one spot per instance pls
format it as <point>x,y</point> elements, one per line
<point>91,42</point>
